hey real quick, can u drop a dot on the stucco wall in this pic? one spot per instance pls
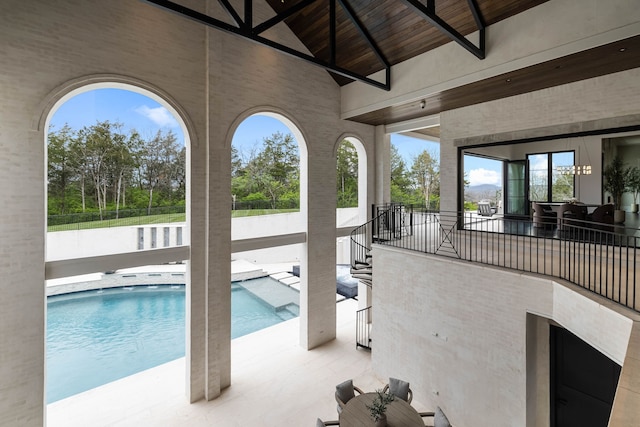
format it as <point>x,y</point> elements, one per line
<point>458,332</point>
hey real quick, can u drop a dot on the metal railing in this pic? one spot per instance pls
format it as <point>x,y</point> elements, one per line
<point>599,257</point>
<point>123,217</point>
<point>363,328</point>
<point>388,223</point>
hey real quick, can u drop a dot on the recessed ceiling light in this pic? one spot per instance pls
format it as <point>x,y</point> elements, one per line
<point>508,80</point>
<point>622,49</point>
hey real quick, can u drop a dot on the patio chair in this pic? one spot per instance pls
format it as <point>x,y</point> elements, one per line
<point>399,389</point>
<point>320,423</point>
<point>543,216</point>
<point>439,418</point>
<point>345,391</point>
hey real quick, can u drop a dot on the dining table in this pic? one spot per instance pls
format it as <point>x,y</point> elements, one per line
<point>399,413</point>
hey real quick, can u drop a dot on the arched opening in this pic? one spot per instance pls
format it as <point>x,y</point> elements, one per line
<point>269,210</point>
<point>118,178</point>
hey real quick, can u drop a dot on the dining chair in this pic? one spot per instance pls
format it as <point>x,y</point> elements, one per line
<point>320,423</point>
<point>439,418</point>
<point>543,216</point>
<point>399,389</point>
<point>345,391</point>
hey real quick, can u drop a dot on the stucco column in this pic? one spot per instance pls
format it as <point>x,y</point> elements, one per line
<point>382,166</point>
<point>318,260</point>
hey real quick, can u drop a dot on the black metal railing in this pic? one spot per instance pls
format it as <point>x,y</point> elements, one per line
<point>387,223</point>
<point>599,257</point>
<point>363,328</point>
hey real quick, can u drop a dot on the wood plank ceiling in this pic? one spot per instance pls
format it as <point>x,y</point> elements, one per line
<point>400,34</point>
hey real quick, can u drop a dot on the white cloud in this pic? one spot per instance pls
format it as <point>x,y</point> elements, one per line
<point>484,176</point>
<point>159,115</point>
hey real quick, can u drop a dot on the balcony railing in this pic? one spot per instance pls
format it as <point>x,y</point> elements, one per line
<point>599,257</point>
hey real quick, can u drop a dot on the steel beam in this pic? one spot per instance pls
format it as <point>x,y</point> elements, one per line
<point>448,30</point>
<point>247,32</point>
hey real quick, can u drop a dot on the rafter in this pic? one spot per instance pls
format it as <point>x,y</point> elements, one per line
<point>429,14</point>
<point>246,30</point>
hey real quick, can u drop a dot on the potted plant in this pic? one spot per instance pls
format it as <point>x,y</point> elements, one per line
<point>378,407</point>
<point>616,183</point>
<point>634,186</point>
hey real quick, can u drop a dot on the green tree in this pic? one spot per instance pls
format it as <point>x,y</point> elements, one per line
<point>157,165</point>
<point>425,172</point>
<point>60,171</point>
<point>400,181</point>
<point>347,175</point>
<point>275,170</point>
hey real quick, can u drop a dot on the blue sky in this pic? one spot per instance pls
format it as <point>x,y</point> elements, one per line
<point>136,111</point>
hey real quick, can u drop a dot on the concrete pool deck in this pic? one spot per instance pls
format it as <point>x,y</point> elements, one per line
<point>275,382</point>
<point>166,274</point>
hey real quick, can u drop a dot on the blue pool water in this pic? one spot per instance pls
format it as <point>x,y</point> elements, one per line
<point>97,337</point>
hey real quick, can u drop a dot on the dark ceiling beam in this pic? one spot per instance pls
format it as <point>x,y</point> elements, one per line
<point>231,11</point>
<point>332,31</point>
<point>365,34</point>
<point>261,28</point>
<point>247,32</point>
<point>431,17</point>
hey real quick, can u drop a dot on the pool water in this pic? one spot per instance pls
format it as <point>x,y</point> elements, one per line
<point>97,337</point>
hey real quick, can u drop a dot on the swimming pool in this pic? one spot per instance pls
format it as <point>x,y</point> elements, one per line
<point>96,337</point>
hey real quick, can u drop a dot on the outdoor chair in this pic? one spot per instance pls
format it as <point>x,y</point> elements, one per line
<point>320,423</point>
<point>399,389</point>
<point>439,418</point>
<point>345,391</point>
<point>543,216</point>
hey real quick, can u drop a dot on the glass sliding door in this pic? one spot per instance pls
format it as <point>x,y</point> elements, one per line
<point>516,185</point>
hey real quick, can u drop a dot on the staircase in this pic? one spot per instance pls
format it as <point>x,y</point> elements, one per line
<point>387,224</point>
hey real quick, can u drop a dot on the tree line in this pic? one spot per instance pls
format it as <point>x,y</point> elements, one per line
<point>271,173</point>
<point>102,168</point>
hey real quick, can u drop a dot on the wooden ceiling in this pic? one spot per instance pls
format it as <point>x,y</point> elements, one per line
<point>399,32</point>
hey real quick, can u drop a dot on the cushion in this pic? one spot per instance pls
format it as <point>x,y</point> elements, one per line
<point>345,392</point>
<point>440,419</point>
<point>399,388</point>
<point>319,423</point>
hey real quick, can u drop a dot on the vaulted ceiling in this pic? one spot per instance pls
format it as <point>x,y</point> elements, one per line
<point>352,39</point>
<point>396,27</point>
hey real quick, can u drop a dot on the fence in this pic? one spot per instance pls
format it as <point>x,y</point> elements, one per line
<point>124,217</point>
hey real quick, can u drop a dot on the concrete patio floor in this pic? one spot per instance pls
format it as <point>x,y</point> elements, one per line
<point>274,383</point>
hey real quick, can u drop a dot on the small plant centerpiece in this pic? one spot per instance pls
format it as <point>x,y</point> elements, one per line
<point>616,182</point>
<point>378,407</point>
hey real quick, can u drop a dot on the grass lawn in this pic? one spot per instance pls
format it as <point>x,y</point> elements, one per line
<point>155,219</point>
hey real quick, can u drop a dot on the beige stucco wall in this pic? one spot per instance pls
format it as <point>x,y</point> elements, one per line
<point>213,80</point>
<point>463,333</point>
